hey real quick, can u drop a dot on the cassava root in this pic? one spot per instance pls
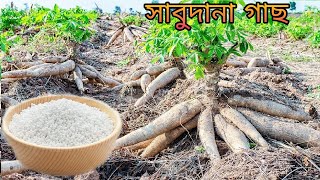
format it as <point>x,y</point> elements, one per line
<point>235,139</point>
<point>95,74</point>
<point>244,125</point>
<point>164,140</point>
<point>206,134</point>
<point>161,81</point>
<point>236,63</point>
<point>49,70</point>
<point>277,129</point>
<point>269,107</point>
<point>128,34</point>
<point>258,62</point>
<point>8,167</point>
<point>177,115</point>
<point>77,76</point>
<point>139,145</point>
<point>114,36</point>
<point>7,101</point>
<point>137,74</point>
<point>145,81</point>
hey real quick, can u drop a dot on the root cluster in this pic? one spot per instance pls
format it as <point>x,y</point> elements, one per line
<point>129,33</point>
<point>240,118</point>
<point>240,121</point>
<point>58,66</point>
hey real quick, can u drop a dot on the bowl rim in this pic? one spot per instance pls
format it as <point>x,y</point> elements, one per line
<point>116,130</point>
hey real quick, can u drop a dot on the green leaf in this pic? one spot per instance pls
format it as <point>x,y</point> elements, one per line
<point>171,49</point>
<point>3,47</point>
<point>56,8</point>
<point>228,36</point>
<point>184,1</point>
<point>235,52</point>
<point>250,46</point>
<point>148,48</point>
<point>243,47</point>
<point>219,53</point>
<point>199,73</point>
<point>155,59</point>
<point>241,2</point>
<point>180,50</point>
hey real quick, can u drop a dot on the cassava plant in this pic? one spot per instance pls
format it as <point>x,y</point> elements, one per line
<point>205,50</point>
<point>73,26</point>
<point>129,27</point>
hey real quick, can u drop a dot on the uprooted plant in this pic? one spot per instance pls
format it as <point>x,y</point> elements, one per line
<point>73,26</point>
<point>205,49</point>
<point>130,28</point>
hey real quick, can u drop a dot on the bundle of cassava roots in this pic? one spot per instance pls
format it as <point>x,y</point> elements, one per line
<point>237,121</point>
<point>240,120</point>
<point>58,66</point>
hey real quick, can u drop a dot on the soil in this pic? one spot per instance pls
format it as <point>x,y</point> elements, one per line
<point>183,160</point>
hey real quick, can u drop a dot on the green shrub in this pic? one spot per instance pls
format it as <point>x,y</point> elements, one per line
<point>203,46</point>
<point>132,20</point>
<point>297,30</point>
<point>314,39</point>
<point>261,30</point>
<point>10,18</point>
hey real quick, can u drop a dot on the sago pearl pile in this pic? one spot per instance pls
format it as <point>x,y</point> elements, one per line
<point>61,123</point>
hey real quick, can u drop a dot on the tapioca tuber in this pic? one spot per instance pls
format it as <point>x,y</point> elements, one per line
<point>258,62</point>
<point>105,80</point>
<point>244,125</point>
<point>114,36</point>
<point>177,115</point>
<point>42,71</point>
<point>206,134</point>
<point>145,81</point>
<point>54,59</point>
<point>236,63</point>
<point>269,107</point>
<point>139,145</point>
<point>128,34</point>
<point>235,138</point>
<point>137,74</point>
<point>244,59</point>
<point>155,70</point>
<point>77,75</point>
<point>161,81</point>
<point>164,140</point>
<point>277,129</point>
<point>8,167</point>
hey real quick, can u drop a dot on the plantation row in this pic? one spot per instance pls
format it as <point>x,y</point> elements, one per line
<point>304,26</point>
<point>61,22</point>
<point>72,24</point>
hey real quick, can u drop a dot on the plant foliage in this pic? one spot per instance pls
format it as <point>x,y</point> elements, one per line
<point>136,20</point>
<point>203,45</point>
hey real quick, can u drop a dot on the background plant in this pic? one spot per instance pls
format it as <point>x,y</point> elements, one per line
<point>72,25</point>
<point>301,26</point>
<point>10,18</point>
<point>136,20</point>
<point>261,30</point>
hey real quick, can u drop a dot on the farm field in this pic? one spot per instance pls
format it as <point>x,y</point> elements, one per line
<point>194,89</point>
